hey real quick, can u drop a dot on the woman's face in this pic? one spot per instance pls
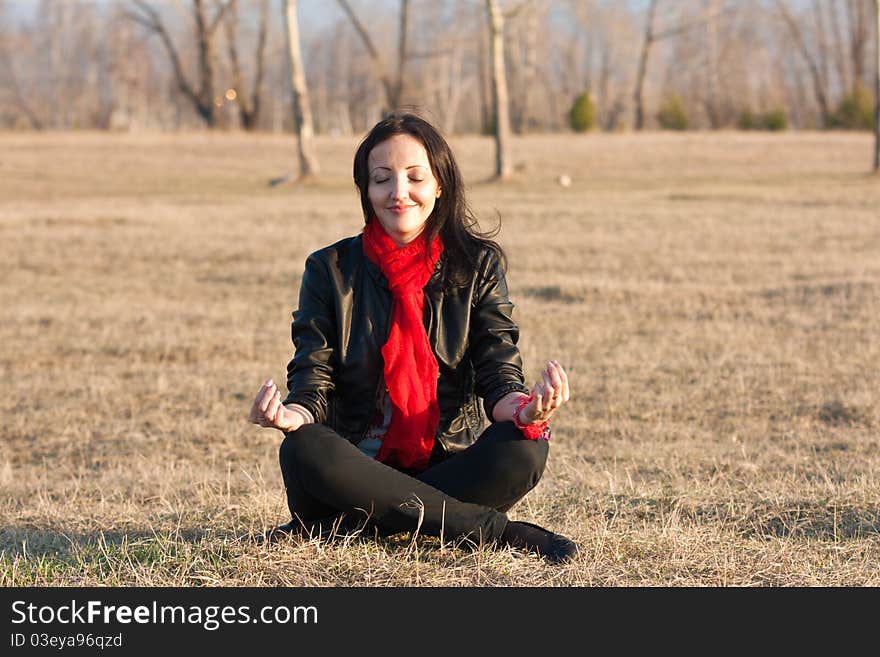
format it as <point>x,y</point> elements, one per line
<point>402,188</point>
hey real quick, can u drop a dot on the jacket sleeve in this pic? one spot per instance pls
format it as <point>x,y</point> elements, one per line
<point>310,371</point>
<point>493,337</point>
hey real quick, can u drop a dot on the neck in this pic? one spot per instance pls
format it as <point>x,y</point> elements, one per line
<point>401,239</point>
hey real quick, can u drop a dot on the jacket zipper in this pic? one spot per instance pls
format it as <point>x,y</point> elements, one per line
<point>380,380</point>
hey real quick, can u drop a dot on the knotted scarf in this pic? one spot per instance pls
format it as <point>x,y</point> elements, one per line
<point>410,368</point>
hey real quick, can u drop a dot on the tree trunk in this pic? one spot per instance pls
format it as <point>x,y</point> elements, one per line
<point>712,86</point>
<point>248,104</point>
<point>397,94</point>
<point>823,58</point>
<point>500,103</point>
<point>7,65</point>
<point>484,82</point>
<point>302,113</point>
<point>639,121</point>
<point>859,36</point>
<point>839,47</point>
<point>531,68</point>
<point>205,45</point>
<point>877,92</point>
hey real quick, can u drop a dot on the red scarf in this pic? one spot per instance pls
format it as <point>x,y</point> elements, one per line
<point>411,369</point>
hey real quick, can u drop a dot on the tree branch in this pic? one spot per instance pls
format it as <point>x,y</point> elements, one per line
<point>513,11</point>
<point>261,55</point>
<point>219,15</point>
<point>793,28</point>
<point>154,23</point>
<point>686,27</point>
<point>371,49</point>
<point>361,30</point>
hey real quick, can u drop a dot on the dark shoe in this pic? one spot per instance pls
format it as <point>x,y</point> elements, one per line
<point>556,548</point>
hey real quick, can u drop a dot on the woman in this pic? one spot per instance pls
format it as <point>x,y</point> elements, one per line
<point>399,331</point>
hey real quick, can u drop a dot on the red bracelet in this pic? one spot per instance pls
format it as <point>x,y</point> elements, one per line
<point>530,431</point>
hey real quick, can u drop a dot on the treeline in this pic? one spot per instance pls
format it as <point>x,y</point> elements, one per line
<point>569,64</point>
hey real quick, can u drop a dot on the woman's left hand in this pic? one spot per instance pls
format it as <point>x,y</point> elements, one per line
<point>548,394</point>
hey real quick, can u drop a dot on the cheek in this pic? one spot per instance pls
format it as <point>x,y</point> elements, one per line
<point>375,195</point>
<point>427,195</point>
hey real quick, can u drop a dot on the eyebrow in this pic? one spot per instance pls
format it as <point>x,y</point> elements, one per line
<point>411,166</point>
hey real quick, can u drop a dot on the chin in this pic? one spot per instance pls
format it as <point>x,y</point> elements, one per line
<point>402,228</point>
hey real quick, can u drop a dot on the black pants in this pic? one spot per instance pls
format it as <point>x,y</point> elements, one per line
<point>464,496</point>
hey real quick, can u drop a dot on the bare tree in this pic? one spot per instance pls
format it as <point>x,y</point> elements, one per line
<point>877,91</point>
<point>484,57</point>
<point>8,77</point>
<point>711,53</point>
<point>859,31</point>
<point>647,42</point>
<point>839,47</point>
<point>302,113</point>
<point>813,63</point>
<point>393,87</point>
<point>202,96</point>
<point>707,17</point>
<point>500,97</point>
<point>822,51</point>
<point>526,70</point>
<point>248,107</point>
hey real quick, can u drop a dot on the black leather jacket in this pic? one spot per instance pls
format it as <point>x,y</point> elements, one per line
<point>343,320</point>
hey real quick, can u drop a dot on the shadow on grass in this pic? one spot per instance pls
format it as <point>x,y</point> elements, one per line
<point>800,520</point>
<point>60,544</point>
<point>145,546</point>
<point>814,521</point>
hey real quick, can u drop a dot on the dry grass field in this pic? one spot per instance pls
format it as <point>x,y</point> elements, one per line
<point>715,298</point>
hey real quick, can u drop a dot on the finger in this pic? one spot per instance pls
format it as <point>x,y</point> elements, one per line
<point>555,384</point>
<point>555,377</point>
<point>562,384</point>
<point>272,409</point>
<point>547,394</point>
<point>566,392</point>
<point>548,383</point>
<point>263,399</point>
<point>543,401</point>
<point>258,408</point>
<point>279,409</point>
<point>268,392</point>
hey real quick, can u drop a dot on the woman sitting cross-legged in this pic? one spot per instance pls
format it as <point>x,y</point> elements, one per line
<point>403,339</point>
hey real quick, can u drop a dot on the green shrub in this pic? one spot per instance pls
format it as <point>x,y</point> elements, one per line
<point>582,116</point>
<point>672,114</point>
<point>856,110</point>
<point>774,120</point>
<point>747,120</point>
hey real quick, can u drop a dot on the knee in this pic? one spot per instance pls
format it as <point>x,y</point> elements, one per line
<point>522,459</point>
<point>527,459</point>
<point>300,447</point>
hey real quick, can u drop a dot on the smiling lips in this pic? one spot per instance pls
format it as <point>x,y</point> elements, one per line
<point>400,208</point>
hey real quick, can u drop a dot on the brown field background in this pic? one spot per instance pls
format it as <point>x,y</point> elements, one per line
<point>714,298</point>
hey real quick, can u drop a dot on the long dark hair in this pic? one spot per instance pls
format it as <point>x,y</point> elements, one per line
<point>451,218</point>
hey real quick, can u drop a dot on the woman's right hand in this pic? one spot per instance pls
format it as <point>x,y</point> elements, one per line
<point>268,411</point>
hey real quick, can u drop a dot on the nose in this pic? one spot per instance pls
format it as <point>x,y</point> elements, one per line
<point>400,189</point>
